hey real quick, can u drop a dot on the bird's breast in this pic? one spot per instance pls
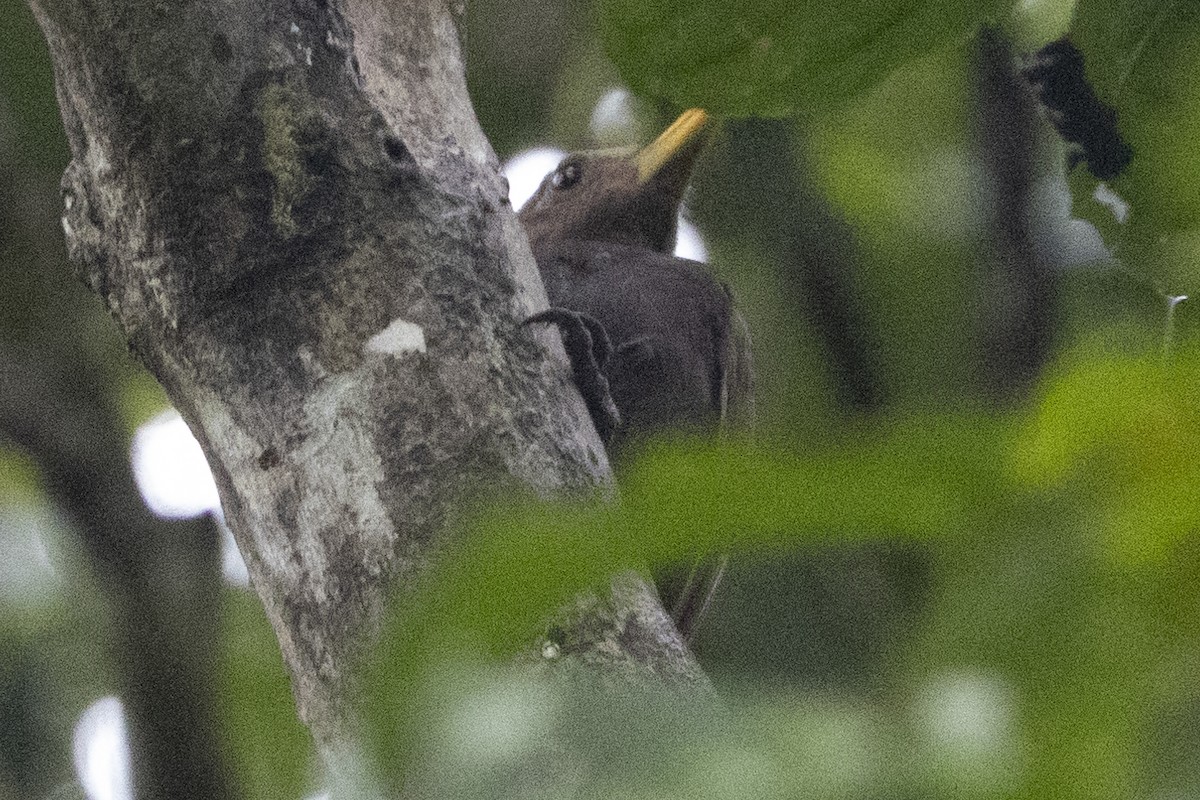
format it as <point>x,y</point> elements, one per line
<point>666,318</point>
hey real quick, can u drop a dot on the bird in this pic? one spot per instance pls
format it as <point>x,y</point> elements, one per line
<point>655,342</point>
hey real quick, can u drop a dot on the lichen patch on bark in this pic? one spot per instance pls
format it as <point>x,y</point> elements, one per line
<point>398,338</point>
<point>281,112</point>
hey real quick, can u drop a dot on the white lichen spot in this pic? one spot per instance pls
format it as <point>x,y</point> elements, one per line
<point>99,160</point>
<point>67,229</point>
<point>311,363</point>
<point>308,56</point>
<point>398,338</point>
<point>550,651</point>
<point>295,29</point>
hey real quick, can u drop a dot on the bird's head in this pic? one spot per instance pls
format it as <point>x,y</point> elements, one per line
<point>625,196</point>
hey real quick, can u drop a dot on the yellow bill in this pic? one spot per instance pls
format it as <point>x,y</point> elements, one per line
<point>658,153</point>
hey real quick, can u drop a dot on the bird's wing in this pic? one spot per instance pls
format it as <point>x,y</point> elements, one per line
<point>735,390</point>
<point>687,593</point>
<point>737,385</point>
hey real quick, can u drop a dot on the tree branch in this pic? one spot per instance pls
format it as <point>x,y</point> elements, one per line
<point>298,225</point>
<point>1018,307</point>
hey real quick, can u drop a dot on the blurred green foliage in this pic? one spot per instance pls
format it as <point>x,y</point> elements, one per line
<point>939,598</point>
<point>916,205</point>
<point>776,57</point>
<point>28,89</point>
<point>1062,631</point>
<point>53,632</point>
<point>271,748</point>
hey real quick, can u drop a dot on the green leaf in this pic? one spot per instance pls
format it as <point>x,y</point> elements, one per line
<point>1035,22</point>
<point>1143,59</point>
<point>1127,431</point>
<point>492,590</point>
<point>776,57</point>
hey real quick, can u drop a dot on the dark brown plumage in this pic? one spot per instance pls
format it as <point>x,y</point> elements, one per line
<point>654,339</point>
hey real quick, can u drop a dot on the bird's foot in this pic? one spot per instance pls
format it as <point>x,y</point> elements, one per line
<point>589,348</point>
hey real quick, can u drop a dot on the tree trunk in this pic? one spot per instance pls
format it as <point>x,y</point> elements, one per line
<point>297,223</point>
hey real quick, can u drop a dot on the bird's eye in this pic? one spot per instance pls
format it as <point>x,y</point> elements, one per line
<point>567,175</point>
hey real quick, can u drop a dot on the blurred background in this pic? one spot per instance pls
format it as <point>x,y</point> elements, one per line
<point>908,252</point>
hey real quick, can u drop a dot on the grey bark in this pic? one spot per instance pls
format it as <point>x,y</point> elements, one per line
<point>299,227</point>
<point>1018,287</point>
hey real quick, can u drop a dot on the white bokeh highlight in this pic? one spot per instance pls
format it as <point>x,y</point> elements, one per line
<point>101,750</point>
<point>28,579</point>
<point>525,171</point>
<point>1106,197</point>
<point>690,244</point>
<point>176,483</point>
<point>233,566</point>
<point>613,118</point>
<point>966,721</point>
<point>505,720</point>
<point>967,714</point>
<point>1063,239</point>
<point>170,470</point>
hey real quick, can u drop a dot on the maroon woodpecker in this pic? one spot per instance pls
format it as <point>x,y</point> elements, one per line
<point>655,342</point>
